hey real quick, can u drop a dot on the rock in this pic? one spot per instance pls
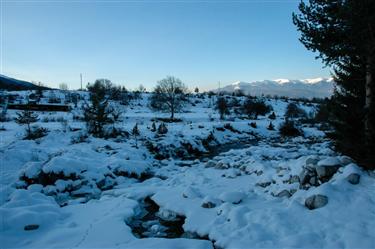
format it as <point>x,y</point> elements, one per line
<point>345,160</point>
<point>31,227</point>
<point>329,161</point>
<point>316,201</point>
<point>294,179</point>
<point>353,178</point>
<point>311,161</point>
<point>232,197</point>
<point>221,165</point>
<point>306,174</point>
<point>325,172</point>
<point>263,184</point>
<point>284,193</point>
<point>209,202</point>
<point>314,181</point>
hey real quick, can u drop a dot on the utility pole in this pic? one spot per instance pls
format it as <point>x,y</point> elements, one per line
<point>81,80</point>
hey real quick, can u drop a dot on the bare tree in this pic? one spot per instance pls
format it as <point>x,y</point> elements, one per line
<point>169,95</point>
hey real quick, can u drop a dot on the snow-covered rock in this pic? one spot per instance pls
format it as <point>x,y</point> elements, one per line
<point>233,197</point>
<point>316,201</point>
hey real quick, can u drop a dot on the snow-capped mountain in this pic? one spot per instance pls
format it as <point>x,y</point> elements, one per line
<point>307,88</point>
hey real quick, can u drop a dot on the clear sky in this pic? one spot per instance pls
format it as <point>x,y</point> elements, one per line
<point>140,42</point>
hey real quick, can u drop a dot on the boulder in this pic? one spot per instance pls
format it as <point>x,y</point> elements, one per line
<point>210,164</point>
<point>311,161</point>
<point>209,202</point>
<point>284,193</point>
<point>353,178</point>
<point>316,201</point>
<point>232,197</point>
<point>325,172</point>
<point>31,227</point>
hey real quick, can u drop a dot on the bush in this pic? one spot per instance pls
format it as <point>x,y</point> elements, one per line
<point>36,132</point>
<point>253,125</point>
<point>294,111</point>
<point>272,116</point>
<point>254,108</point>
<point>271,127</point>
<point>162,129</point>
<point>288,129</point>
<point>80,138</point>
<point>222,106</point>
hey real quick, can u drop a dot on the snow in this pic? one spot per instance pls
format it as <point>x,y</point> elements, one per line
<point>243,182</point>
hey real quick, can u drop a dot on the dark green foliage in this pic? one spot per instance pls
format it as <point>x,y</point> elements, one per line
<point>162,129</point>
<point>153,127</point>
<point>36,132</point>
<point>255,107</point>
<point>135,132</point>
<point>222,106</point>
<point>272,116</point>
<point>288,129</point>
<point>294,111</point>
<point>271,127</point>
<point>98,113</point>
<point>342,31</point>
<point>26,117</point>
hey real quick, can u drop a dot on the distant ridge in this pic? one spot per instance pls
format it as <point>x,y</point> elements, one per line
<point>307,88</point>
<point>11,84</point>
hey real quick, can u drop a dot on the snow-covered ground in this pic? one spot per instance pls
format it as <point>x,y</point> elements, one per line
<point>260,191</point>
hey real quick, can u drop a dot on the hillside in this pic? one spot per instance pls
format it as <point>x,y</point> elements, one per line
<point>11,84</point>
<point>202,183</point>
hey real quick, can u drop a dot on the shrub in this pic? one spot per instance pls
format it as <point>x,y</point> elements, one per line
<point>288,129</point>
<point>162,129</point>
<point>271,127</point>
<point>253,125</point>
<point>36,132</point>
<point>272,116</point>
<point>294,111</point>
<point>254,108</point>
<point>222,106</point>
<point>80,138</point>
<point>26,117</point>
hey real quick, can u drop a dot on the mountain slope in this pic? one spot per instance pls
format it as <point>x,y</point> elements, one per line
<point>308,88</point>
<point>11,84</point>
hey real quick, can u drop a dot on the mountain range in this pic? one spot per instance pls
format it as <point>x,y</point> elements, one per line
<point>307,88</point>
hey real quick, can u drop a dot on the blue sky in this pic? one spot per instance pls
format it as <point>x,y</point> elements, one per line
<point>140,42</point>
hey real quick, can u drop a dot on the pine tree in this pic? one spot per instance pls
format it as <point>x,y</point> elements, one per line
<point>98,113</point>
<point>136,133</point>
<point>222,106</point>
<point>342,31</point>
<point>26,117</point>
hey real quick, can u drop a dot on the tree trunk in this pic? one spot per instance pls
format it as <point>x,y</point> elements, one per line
<point>369,85</point>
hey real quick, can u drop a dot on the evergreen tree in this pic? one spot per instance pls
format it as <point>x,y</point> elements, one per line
<point>98,113</point>
<point>342,32</point>
<point>222,106</point>
<point>26,117</point>
<point>136,133</point>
